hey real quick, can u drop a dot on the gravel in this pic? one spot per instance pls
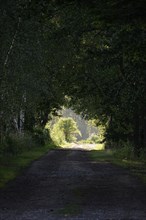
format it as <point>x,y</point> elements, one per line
<point>67,184</point>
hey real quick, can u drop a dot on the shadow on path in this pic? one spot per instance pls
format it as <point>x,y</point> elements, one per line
<point>67,184</point>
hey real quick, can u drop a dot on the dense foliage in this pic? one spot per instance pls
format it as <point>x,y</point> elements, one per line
<point>92,52</point>
<point>65,130</point>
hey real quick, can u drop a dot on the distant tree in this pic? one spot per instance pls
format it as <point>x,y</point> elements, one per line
<point>65,130</point>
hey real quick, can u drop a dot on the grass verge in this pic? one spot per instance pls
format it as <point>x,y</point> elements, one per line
<point>136,167</point>
<point>11,166</point>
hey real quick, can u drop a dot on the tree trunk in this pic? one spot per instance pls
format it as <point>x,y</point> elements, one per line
<point>144,133</point>
<point>136,135</point>
<point>144,128</point>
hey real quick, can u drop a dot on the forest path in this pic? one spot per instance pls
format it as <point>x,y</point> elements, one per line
<point>67,184</point>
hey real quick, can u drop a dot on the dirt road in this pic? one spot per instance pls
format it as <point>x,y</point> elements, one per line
<point>66,184</point>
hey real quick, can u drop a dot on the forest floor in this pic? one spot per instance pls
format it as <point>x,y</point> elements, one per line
<point>69,184</point>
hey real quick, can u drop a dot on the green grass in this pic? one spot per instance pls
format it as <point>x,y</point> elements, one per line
<point>136,167</point>
<point>101,155</point>
<point>11,166</point>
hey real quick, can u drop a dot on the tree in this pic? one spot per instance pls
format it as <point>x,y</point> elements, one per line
<point>93,52</point>
<point>106,75</point>
<point>65,130</point>
<point>28,81</point>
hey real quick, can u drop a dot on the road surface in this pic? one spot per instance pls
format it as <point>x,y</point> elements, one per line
<point>67,184</point>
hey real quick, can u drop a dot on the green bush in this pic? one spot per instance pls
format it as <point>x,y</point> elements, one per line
<point>41,136</point>
<point>64,131</point>
<point>86,141</point>
<point>143,154</point>
<point>124,150</point>
<point>58,136</point>
<point>94,139</point>
<point>16,143</point>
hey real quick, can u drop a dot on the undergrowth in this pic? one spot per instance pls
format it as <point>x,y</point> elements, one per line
<point>17,151</point>
<point>12,165</point>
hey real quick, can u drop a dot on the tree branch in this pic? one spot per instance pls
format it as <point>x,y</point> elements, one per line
<point>12,43</point>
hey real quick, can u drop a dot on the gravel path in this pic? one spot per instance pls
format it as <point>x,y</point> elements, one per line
<point>66,184</point>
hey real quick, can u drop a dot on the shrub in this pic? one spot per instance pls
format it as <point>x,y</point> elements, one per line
<point>16,143</point>
<point>94,139</point>
<point>41,136</point>
<point>64,130</point>
<point>124,150</point>
<point>143,154</point>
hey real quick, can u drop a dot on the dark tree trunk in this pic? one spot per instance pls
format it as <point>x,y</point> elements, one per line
<point>18,122</point>
<point>136,134</point>
<point>144,138</point>
<point>29,121</point>
<point>144,128</point>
